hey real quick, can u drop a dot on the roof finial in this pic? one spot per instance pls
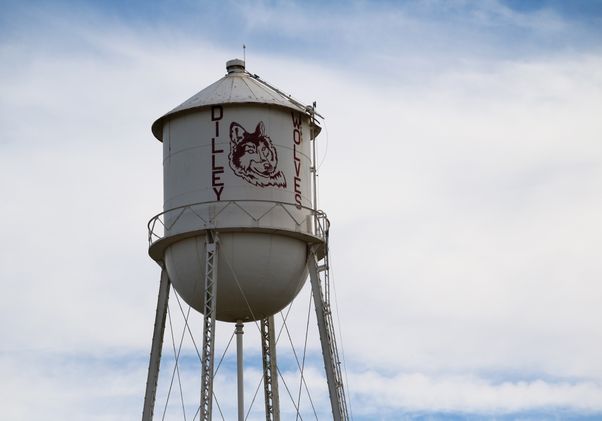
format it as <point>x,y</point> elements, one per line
<point>244,53</point>
<point>235,66</point>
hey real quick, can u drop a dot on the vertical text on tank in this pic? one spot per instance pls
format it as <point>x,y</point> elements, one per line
<point>217,184</point>
<point>297,139</point>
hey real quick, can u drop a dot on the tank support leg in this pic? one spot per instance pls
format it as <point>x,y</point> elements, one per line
<point>327,337</point>
<point>270,373</point>
<point>239,371</point>
<point>157,345</point>
<point>207,356</point>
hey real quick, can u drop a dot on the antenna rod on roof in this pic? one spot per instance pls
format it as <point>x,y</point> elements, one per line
<point>244,53</point>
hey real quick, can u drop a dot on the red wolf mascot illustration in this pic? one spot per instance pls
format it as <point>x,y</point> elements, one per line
<point>253,157</point>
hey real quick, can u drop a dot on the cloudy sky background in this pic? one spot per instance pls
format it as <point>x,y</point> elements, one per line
<point>462,173</point>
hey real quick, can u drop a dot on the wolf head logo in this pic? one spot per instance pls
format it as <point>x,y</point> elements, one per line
<point>253,157</point>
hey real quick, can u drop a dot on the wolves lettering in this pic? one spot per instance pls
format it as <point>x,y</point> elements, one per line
<point>253,157</point>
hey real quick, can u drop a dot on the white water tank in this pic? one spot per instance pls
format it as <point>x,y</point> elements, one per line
<point>236,161</point>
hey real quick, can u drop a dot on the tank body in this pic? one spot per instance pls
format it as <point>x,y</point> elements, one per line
<point>239,167</point>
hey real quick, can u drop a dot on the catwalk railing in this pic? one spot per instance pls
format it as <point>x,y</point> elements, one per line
<point>243,214</point>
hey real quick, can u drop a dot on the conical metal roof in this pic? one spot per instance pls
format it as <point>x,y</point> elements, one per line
<point>237,87</point>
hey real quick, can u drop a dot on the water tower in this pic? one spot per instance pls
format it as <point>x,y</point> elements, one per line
<point>240,230</point>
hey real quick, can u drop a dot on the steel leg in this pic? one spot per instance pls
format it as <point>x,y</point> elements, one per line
<point>207,356</point>
<point>157,344</point>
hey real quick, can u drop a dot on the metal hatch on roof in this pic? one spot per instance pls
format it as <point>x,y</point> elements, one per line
<point>237,87</point>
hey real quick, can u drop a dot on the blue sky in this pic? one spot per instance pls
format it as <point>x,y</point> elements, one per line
<point>462,168</point>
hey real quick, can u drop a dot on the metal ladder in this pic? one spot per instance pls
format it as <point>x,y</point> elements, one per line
<point>319,275</point>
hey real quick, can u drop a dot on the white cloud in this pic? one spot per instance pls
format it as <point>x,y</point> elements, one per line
<point>38,385</point>
<point>377,394</point>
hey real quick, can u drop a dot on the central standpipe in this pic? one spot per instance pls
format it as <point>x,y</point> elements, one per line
<point>239,371</point>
